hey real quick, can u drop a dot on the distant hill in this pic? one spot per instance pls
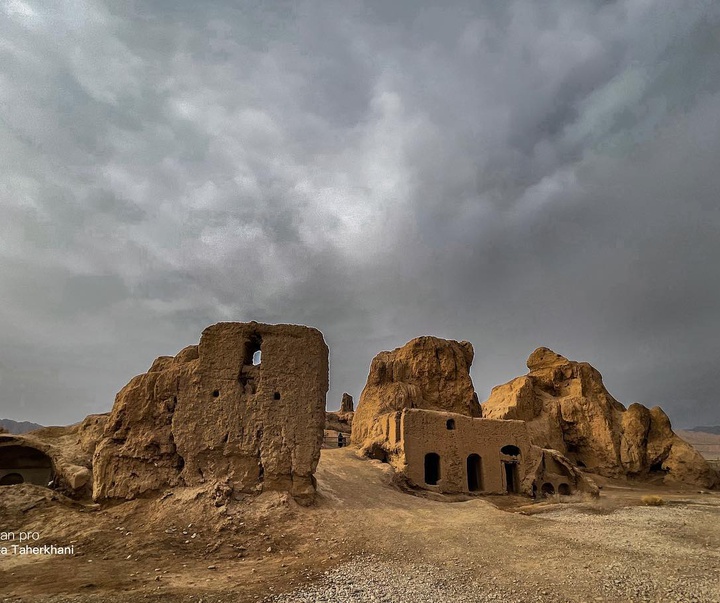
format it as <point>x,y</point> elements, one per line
<point>714,429</point>
<point>706,443</point>
<point>18,426</point>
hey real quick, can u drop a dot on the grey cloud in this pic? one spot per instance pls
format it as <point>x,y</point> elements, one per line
<point>499,173</point>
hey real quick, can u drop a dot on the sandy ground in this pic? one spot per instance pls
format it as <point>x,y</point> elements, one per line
<point>365,540</point>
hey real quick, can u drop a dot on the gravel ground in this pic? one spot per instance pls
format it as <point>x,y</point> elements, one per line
<point>371,580</point>
<point>633,555</point>
<point>366,541</point>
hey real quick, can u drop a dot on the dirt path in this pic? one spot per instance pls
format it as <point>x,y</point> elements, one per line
<point>376,541</point>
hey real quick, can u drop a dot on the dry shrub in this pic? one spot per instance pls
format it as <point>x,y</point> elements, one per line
<point>652,500</point>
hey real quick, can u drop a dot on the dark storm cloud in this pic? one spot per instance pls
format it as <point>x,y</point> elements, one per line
<point>507,173</point>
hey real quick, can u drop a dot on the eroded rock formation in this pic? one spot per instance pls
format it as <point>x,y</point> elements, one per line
<point>245,407</point>
<point>567,408</point>
<point>347,404</point>
<point>341,420</point>
<point>426,373</point>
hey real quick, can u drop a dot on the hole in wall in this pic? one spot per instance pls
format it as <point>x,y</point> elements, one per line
<point>564,489</point>
<point>216,393</point>
<point>253,346</point>
<point>547,489</point>
<point>12,479</point>
<point>450,423</point>
<point>276,396</point>
<point>378,453</point>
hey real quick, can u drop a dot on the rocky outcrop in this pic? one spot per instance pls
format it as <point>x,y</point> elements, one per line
<point>245,407</point>
<point>426,373</point>
<point>567,408</point>
<point>347,405</point>
<point>341,420</point>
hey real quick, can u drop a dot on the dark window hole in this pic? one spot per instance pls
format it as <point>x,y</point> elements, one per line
<point>510,450</point>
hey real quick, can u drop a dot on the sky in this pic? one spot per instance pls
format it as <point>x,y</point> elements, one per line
<point>512,173</point>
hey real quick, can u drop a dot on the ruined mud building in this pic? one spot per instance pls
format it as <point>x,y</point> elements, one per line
<point>419,412</point>
<point>245,407</point>
<point>244,410</point>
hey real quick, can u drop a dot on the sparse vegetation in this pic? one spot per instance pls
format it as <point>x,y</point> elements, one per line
<point>652,500</point>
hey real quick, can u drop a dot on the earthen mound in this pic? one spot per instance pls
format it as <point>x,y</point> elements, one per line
<point>567,408</point>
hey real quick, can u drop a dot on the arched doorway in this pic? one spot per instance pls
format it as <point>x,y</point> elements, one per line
<point>547,489</point>
<point>21,464</point>
<point>474,473</point>
<point>432,468</point>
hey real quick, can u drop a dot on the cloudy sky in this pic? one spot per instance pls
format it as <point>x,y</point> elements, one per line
<point>513,173</point>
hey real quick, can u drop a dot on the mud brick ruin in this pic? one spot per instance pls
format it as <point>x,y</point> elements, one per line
<point>245,407</point>
<point>244,411</point>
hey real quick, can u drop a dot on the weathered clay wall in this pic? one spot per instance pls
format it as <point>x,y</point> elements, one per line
<point>210,414</point>
<point>424,432</point>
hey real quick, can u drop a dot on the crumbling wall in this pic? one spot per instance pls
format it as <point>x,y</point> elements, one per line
<point>214,413</point>
<point>455,438</point>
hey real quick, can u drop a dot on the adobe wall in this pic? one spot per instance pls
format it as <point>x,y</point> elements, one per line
<point>209,414</point>
<point>423,431</point>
